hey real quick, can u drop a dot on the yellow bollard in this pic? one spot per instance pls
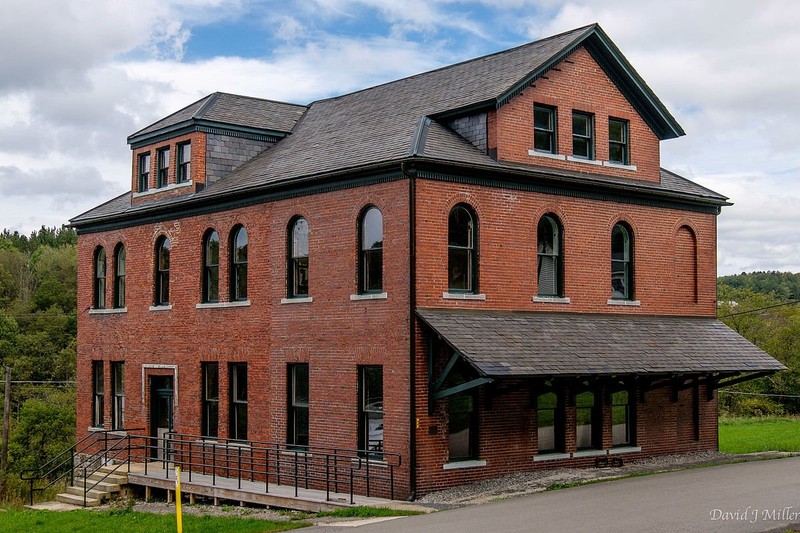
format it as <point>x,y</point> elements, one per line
<point>178,513</point>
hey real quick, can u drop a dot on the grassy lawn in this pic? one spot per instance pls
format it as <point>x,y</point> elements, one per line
<point>746,435</point>
<point>132,522</point>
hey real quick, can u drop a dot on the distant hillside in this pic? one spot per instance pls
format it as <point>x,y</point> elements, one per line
<point>785,285</point>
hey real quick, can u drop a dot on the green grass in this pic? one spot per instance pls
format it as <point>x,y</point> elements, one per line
<point>127,521</point>
<point>748,435</point>
<point>367,512</point>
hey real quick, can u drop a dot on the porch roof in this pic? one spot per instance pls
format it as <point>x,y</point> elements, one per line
<point>537,344</point>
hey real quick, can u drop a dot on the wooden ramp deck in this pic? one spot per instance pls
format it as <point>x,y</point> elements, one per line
<point>254,492</point>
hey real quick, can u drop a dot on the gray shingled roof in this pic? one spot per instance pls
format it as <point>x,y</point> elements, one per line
<point>235,110</point>
<point>381,126</point>
<point>530,344</point>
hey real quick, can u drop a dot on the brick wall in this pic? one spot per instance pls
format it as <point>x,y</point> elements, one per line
<point>197,169</point>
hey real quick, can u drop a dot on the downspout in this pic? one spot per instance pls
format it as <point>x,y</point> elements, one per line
<point>410,173</point>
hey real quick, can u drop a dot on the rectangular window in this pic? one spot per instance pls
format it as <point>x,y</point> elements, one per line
<point>544,129</point>
<point>620,419</point>
<point>118,395</point>
<point>584,420</point>
<point>546,406</point>
<point>618,141</point>
<point>238,389</point>
<point>98,394</point>
<point>582,135</point>
<point>163,168</point>
<point>462,427</point>
<point>144,172</point>
<point>370,411</point>
<point>298,404</point>
<point>210,399</point>
<point>184,162</point>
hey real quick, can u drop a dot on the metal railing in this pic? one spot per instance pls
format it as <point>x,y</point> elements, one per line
<point>323,468</point>
<point>86,456</point>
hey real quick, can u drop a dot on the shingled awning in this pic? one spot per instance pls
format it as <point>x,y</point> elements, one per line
<point>538,345</point>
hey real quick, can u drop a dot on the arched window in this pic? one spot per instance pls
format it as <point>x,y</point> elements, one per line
<point>462,257</point>
<point>239,264</point>
<point>297,254</point>
<point>211,267</point>
<point>119,276</point>
<point>162,272</point>
<point>99,279</point>
<point>621,262</point>
<point>549,258</point>
<point>685,265</point>
<point>370,251</point>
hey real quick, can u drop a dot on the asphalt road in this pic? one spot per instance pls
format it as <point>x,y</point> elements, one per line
<point>744,497</point>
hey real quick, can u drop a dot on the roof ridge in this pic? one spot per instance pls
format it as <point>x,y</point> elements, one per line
<point>206,105</point>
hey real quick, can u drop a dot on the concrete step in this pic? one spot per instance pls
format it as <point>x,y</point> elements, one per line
<point>77,500</point>
<point>104,486</point>
<point>93,493</point>
<point>116,478</point>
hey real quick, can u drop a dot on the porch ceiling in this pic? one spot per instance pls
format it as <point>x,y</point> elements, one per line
<point>537,344</point>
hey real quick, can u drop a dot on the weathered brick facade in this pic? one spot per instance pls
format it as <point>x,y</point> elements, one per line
<point>336,331</point>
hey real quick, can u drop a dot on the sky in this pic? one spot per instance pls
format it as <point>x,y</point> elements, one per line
<point>78,76</point>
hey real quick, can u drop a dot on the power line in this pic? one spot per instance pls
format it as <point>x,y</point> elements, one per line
<point>759,394</point>
<point>760,309</point>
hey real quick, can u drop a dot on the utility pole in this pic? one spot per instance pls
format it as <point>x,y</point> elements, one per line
<point>6,419</point>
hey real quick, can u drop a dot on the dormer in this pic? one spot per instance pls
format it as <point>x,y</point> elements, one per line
<point>580,108</point>
<point>203,142</point>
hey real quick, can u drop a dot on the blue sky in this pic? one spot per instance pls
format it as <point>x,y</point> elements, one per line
<point>79,76</point>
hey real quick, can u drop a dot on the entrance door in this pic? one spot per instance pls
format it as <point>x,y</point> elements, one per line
<point>161,395</point>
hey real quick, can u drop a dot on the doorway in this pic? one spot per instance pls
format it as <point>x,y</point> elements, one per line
<point>161,402</point>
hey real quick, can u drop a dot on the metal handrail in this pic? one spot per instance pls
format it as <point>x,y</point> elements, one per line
<point>67,457</point>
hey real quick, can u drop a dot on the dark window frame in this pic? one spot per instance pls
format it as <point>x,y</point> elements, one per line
<point>624,409</point>
<point>210,286</point>
<point>591,412</point>
<point>238,264</point>
<point>586,137</point>
<point>118,395</point>
<point>120,269</point>
<point>370,255</point>
<point>297,264</point>
<point>623,145</point>
<point>237,421</point>
<point>462,256</point>
<point>184,162</point>
<point>144,172</point>
<point>298,422</point>
<point>622,267</point>
<point>545,135</point>
<point>98,394</point>
<point>370,412</point>
<point>162,164</point>
<point>554,257</point>
<point>100,272</point>
<point>162,266</point>
<point>209,424</point>
<point>554,412</point>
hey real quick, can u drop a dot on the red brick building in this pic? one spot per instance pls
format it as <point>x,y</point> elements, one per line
<point>482,269</point>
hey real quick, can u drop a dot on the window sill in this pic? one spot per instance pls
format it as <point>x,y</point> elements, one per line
<point>589,453</point>
<point>304,300</point>
<point>169,187</point>
<point>611,164</point>
<point>463,296</point>
<point>625,303</point>
<point>553,456</point>
<point>167,307</point>
<point>369,296</point>
<point>95,429</point>
<point>223,305</point>
<point>550,300</point>
<point>111,311</point>
<point>584,161</point>
<point>463,464</point>
<point>624,449</point>
<point>548,155</point>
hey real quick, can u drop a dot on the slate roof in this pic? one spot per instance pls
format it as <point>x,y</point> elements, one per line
<point>531,344</point>
<point>404,120</point>
<point>234,110</point>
